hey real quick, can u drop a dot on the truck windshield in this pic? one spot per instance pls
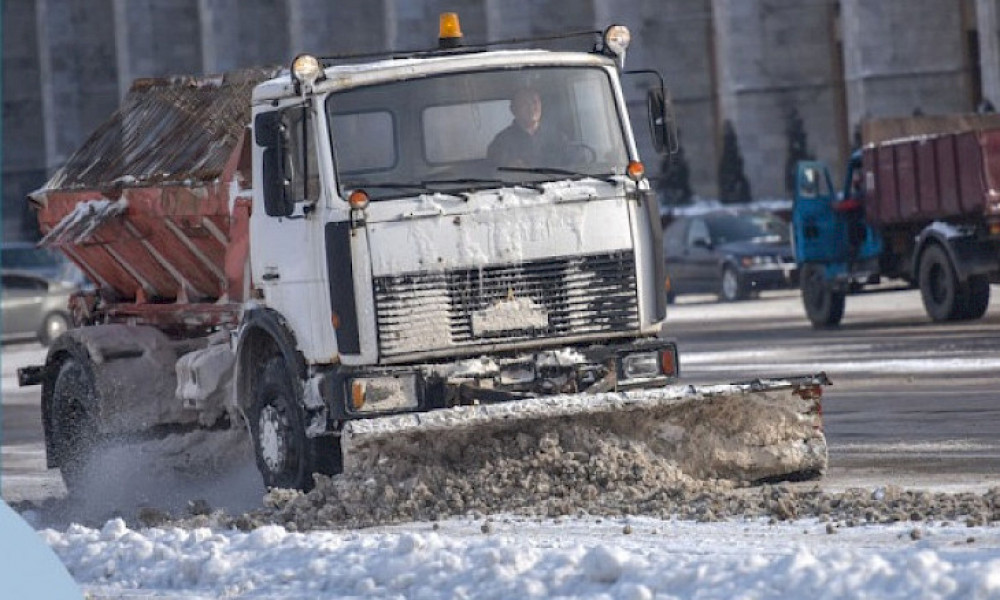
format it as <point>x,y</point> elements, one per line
<point>468,131</point>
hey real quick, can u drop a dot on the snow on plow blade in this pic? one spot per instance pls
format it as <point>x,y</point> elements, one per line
<point>757,431</point>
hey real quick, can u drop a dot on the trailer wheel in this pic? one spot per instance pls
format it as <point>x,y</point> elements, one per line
<point>824,305</point>
<point>73,424</point>
<point>939,286</point>
<point>286,457</point>
<point>976,297</point>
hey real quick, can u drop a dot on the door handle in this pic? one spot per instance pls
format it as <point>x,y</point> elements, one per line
<point>270,276</point>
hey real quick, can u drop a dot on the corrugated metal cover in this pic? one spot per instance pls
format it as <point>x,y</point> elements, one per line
<point>178,129</point>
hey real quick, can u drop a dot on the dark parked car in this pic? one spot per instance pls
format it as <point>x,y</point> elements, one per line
<point>730,253</point>
<point>34,306</point>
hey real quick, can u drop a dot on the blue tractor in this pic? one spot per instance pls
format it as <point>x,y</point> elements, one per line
<point>836,249</point>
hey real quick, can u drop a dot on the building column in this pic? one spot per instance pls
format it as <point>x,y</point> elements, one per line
<point>78,73</point>
<point>239,34</point>
<point>775,61</point>
<point>23,118</point>
<point>508,20</point>
<point>323,27</point>
<point>903,57</point>
<point>989,49</point>
<point>155,38</point>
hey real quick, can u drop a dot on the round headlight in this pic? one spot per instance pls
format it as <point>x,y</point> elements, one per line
<point>616,39</point>
<point>306,69</point>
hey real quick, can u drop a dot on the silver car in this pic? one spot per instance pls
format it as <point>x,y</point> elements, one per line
<point>34,306</point>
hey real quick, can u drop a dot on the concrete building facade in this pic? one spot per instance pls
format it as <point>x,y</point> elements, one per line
<point>755,63</point>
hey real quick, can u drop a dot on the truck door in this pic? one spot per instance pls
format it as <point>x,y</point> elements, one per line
<point>287,238</point>
<point>817,229</point>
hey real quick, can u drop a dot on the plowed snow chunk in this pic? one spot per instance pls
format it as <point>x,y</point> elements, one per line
<point>542,469</point>
<point>614,454</point>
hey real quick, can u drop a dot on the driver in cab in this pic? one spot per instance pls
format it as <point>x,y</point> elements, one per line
<point>526,142</point>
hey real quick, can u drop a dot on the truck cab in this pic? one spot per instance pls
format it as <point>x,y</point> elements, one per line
<point>403,261</point>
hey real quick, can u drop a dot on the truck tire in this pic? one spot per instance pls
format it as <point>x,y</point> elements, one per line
<point>731,287</point>
<point>824,305</point>
<point>286,456</point>
<point>939,286</point>
<point>976,297</point>
<point>73,424</point>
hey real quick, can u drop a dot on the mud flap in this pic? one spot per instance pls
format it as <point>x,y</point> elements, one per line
<point>763,430</point>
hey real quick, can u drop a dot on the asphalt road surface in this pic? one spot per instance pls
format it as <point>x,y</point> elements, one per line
<point>913,402</point>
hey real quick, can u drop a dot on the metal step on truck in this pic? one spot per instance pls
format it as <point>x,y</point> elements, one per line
<point>920,202</point>
<point>356,252</point>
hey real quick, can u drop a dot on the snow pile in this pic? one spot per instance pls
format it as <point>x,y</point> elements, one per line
<point>532,471</point>
<point>514,558</point>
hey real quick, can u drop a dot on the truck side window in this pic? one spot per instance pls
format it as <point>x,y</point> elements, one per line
<point>301,170</point>
<point>809,184</point>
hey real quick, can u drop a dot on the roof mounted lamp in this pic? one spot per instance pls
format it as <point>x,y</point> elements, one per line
<point>615,41</point>
<point>306,71</point>
<point>449,31</point>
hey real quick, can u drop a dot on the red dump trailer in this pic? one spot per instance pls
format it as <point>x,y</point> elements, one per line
<point>167,244</point>
<point>944,169</point>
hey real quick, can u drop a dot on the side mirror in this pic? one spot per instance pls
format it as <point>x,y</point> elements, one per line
<point>662,127</point>
<point>269,131</point>
<point>277,199</point>
<point>660,113</point>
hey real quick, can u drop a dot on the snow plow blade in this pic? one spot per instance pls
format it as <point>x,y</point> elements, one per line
<point>764,430</point>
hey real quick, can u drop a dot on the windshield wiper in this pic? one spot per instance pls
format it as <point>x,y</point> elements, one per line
<point>484,182</point>
<point>605,177</point>
<point>421,187</point>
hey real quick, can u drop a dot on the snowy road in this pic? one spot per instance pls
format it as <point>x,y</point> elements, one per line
<point>913,403</point>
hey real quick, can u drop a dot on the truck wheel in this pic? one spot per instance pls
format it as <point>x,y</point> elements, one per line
<point>73,425</point>
<point>731,288</point>
<point>824,305</point>
<point>939,285</point>
<point>286,457</point>
<point>976,297</point>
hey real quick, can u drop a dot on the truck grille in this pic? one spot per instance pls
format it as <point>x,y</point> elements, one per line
<point>461,308</point>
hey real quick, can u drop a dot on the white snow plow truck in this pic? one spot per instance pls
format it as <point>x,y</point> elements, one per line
<point>355,260</point>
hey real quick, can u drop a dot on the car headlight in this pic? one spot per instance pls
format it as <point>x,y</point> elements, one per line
<point>757,261</point>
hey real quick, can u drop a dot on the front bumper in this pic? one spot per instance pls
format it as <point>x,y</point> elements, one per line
<point>636,364</point>
<point>784,277</point>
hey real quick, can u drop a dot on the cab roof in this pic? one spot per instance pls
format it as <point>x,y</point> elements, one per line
<point>339,77</point>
